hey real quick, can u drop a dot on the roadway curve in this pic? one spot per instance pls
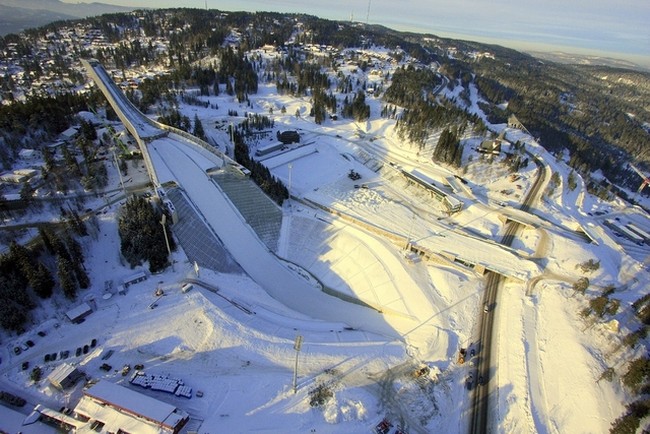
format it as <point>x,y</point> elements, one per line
<point>483,367</point>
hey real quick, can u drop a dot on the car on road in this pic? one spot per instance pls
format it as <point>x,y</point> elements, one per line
<point>486,308</point>
<point>472,352</point>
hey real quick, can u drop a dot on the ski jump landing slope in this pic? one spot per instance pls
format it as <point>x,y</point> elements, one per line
<point>175,159</point>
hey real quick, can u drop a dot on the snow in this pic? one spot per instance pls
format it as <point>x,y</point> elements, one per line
<point>137,403</point>
<point>548,358</point>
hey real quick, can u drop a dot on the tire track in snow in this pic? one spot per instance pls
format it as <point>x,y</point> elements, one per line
<point>534,370</point>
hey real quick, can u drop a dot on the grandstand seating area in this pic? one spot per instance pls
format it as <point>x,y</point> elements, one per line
<point>262,214</point>
<point>198,241</point>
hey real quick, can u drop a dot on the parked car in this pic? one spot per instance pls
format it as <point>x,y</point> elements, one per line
<point>12,399</point>
<point>78,352</point>
<point>17,350</point>
<point>25,365</point>
<point>29,343</point>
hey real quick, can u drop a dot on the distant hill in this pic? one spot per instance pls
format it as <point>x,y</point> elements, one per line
<point>17,15</point>
<point>582,59</point>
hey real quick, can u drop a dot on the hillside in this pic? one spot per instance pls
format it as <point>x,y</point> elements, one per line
<point>396,181</point>
<point>19,15</point>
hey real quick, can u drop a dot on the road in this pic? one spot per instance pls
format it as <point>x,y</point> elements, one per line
<point>484,369</point>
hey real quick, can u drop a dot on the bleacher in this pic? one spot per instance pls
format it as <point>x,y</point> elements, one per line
<point>262,214</point>
<point>199,243</point>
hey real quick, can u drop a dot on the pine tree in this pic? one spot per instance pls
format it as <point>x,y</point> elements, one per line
<point>42,281</point>
<point>448,150</point>
<point>82,276</point>
<point>46,238</point>
<point>198,128</point>
<point>12,315</point>
<point>74,249</point>
<point>37,275</point>
<point>65,273</point>
<point>141,235</point>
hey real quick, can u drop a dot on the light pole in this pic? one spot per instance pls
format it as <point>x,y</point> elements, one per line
<point>119,171</point>
<point>290,166</point>
<point>296,346</point>
<point>169,250</point>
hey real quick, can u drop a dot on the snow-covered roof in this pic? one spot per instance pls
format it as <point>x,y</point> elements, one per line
<point>136,404</point>
<point>69,133</point>
<point>26,172</point>
<point>12,421</point>
<point>62,372</point>
<point>78,312</point>
<point>27,153</point>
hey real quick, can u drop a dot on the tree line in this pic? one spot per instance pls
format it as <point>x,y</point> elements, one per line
<point>142,238</point>
<point>26,273</point>
<point>260,174</point>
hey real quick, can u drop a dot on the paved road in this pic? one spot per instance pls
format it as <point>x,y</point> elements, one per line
<point>485,371</point>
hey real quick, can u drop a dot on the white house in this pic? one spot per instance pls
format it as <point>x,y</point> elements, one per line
<point>29,154</point>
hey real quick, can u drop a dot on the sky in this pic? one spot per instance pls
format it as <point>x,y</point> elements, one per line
<point>617,29</point>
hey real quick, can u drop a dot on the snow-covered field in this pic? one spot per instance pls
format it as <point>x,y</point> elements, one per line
<point>548,358</point>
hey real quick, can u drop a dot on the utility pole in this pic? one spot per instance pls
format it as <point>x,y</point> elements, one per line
<point>297,345</point>
<point>169,250</point>
<point>290,166</point>
<point>119,171</point>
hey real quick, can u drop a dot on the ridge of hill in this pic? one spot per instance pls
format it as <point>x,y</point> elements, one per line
<point>18,15</point>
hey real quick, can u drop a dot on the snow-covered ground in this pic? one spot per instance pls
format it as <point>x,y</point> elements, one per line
<point>548,358</point>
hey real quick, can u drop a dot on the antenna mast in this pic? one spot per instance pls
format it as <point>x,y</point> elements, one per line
<point>368,13</point>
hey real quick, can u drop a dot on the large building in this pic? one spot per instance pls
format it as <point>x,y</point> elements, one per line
<point>119,409</point>
<point>64,376</point>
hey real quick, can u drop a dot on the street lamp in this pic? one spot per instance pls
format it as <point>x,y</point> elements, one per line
<point>119,171</point>
<point>297,345</point>
<point>290,167</point>
<point>163,222</point>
